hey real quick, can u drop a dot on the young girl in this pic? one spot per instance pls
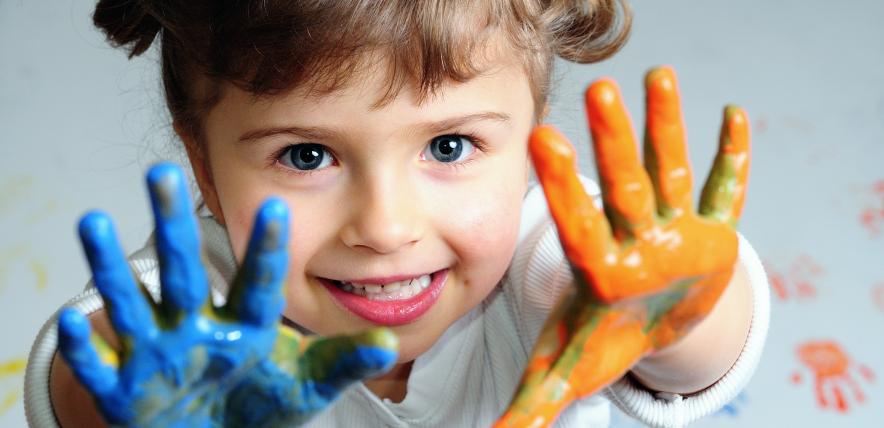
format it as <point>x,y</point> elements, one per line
<point>396,134</point>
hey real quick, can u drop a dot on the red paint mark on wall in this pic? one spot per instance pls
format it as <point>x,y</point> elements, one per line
<point>871,217</point>
<point>761,125</point>
<point>878,296</point>
<point>831,370</point>
<point>798,281</point>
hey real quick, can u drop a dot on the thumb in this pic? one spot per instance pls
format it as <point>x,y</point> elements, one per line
<point>334,363</point>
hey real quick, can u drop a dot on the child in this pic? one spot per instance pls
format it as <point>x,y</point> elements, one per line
<point>396,133</point>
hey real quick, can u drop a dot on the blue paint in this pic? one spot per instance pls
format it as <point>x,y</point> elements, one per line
<point>186,363</point>
<point>734,407</point>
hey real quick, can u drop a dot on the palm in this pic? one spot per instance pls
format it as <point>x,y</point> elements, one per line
<point>649,267</point>
<point>185,362</point>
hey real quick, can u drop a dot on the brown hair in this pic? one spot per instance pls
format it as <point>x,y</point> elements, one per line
<point>273,46</point>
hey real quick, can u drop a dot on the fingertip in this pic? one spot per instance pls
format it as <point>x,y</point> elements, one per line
<point>164,171</point>
<point>93,225</point>
<point>736,126</point>
<point>168,190</point>
<point>550,150</point>
<point>735,115</point>
<point>546,139</point>
<point>604,91</point>
<point>271,224</point>
<point>661,77</point>
<point>73,327</point>
<point>274,208</point>
<point>381,337</point>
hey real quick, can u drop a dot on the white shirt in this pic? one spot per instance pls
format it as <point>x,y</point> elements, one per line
<point>469,375</point>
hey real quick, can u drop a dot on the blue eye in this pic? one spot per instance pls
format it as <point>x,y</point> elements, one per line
<point>307,156</point>
<point>449,148</point>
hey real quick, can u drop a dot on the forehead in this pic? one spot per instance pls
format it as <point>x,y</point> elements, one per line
<point>501,86</point>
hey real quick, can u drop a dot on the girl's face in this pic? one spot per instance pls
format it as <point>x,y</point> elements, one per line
<point>404,215</point>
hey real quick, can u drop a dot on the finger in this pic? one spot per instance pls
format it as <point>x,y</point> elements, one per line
<point>626,189</point>
<point>257,293</point>
<point>183,279</point>
<point>127,303</point>
<point>583,230</point>
<point>77,349</point>
<point>335,363</point>
<point>666,157</point>
<point>725,190</point>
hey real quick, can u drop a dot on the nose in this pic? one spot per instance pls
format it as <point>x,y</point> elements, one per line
<point>385,217</point>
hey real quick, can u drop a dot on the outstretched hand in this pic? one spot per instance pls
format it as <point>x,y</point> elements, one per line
<point>185,362</point>
<point>648,268</point>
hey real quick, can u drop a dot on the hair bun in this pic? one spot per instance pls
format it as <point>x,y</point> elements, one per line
<point>587,31</point>
<point>127,23</point>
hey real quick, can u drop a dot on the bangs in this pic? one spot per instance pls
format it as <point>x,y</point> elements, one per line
<point>422,44</point>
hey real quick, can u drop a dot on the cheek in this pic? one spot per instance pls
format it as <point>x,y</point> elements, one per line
<point>485,233</point>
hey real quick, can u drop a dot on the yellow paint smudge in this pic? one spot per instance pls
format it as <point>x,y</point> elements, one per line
<point>40,274</point>
<point>13,190</point>
<point>12,367</point>
<point>7,369</point>
<point>9,400</point>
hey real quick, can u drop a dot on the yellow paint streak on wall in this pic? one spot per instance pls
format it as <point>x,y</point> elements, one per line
<point>9,400</point>
<point>12,191</point>
<point>12,367</point>
<point>7,369</point>
<point>40,274</point>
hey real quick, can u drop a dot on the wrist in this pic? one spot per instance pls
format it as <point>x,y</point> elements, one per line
<point>709,350</point>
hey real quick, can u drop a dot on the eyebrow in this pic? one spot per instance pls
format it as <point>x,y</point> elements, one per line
<point>319,133</point>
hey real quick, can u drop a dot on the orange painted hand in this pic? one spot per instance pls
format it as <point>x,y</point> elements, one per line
<point>647,269</point>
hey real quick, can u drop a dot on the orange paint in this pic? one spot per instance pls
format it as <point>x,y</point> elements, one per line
<point>831,372</point>
<point>650,266</point>
<point>871,217</point>
<point>799,280</point>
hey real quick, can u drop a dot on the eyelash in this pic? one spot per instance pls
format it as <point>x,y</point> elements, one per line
<point>275,157</point>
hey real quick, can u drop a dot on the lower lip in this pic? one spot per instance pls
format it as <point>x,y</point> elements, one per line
<point>393,313</point>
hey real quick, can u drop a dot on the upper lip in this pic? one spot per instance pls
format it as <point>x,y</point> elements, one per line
<point>382,279</point>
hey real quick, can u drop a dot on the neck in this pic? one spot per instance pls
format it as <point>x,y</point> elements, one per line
<point>392,385</point>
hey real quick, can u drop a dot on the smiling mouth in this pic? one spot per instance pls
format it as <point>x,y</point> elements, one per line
<point>399,290</point>
<point>393,303</point>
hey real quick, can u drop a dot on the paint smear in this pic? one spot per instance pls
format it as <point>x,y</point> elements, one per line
<point>734,407</point>
<point>878,296</point>
<point>798,281</point>
<point>41,277</point>
<point>9,369</point>
<point>13,191</point>
<point>13,257</point>
<point>831,371</point>
<point>871,216</point>
<point>12,367</point>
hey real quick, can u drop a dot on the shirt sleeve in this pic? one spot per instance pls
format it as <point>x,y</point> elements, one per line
<point>540,273</point>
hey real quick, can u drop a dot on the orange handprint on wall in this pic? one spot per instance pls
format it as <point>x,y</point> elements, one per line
<point>832,377</point>
<point>798,281</point>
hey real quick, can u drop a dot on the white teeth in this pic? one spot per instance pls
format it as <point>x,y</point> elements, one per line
<point>398,290</point>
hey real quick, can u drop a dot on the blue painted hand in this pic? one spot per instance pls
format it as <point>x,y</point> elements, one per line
<point>185,362</point>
